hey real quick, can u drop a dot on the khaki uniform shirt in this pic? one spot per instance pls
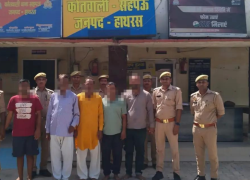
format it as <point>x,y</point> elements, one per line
<point>44,97</point>
<point>206,108</point>
<point>78,90</point>
<point>151,94</point>
<point>167,102</point>
<point>2,103</point>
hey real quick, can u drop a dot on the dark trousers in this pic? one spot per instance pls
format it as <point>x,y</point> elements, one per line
<point>135,140</point>
<point>114,143</point>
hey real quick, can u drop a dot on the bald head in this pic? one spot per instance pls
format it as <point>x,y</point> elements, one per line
<point>134,80</point>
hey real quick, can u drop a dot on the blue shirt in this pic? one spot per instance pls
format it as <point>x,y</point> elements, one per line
<point>63,112</point>
<point>113,112</point>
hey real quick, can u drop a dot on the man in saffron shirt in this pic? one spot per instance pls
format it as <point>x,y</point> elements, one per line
<point>89,131</point>
<point>26,109</point>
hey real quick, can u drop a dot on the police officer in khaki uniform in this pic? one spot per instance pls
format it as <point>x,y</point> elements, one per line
<point>2,117</point>
<point>147,86</point>
<point>207,107</point>
<point>44,95</point>
<point>103,81</point>
<point>75,78</point>
<point>167,101</point>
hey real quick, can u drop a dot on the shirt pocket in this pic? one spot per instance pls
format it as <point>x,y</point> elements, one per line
<point>159,99</point>
<point>208,105</point>
<point>170,100</point>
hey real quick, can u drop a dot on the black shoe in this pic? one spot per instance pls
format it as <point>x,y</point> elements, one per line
<point>176,177</point>
<point>145,166</point>
<point>45,173</point>
<point>154,166</point>
<point>34,174</point>
<point>158,176</point>
<point>213,178</point>
<point>200,178</point>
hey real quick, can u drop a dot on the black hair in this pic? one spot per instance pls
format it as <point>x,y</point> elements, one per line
<point>24,80</point>
<point>111,83</point>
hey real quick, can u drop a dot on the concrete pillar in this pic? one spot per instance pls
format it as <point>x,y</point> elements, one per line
<point>118,66</point>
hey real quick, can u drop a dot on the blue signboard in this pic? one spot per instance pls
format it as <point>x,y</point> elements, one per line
<point>30,18</point>
<point>106,18</point>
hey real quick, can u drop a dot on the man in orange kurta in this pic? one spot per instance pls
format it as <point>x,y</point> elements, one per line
<point>89,131</point>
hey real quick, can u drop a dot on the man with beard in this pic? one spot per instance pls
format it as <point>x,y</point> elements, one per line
<point>140,107</point>
<point>75,78</point>
<point>167,101</point>
<point>207,107</point>
<point>147,86</point>
<point>44,95</point>
<point>26,109</point>
<point>103,81</point>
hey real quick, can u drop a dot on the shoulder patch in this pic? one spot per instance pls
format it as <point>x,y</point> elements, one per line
<point>49,90</point>
<point>193,94</point>
<point>156,88</point>
<point>213,92</point>
<point>177,88</point>
<point>217,93</point>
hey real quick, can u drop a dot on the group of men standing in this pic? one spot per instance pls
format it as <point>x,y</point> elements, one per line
<point>104,123</point>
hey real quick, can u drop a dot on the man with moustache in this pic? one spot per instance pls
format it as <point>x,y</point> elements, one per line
<point>147,86</point>
<point>75,78</point>
<point>167,101</point>
<point>62,119</point>
<point>44,95</point>
<point>140,107</point>
<point>207,107</point>
<point>89,132</point>
<point>103,81</point>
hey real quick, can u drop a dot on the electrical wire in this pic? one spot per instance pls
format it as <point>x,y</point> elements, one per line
<point>90,49</point>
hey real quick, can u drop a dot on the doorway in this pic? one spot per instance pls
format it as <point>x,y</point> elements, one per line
<point>33,67</point>
<point>162,65</point>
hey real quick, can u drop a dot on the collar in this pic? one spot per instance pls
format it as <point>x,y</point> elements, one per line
<point>106,98</point>
<point>45,89</point>
<point>169,88</point>
<point>101,91</point>
<point>208,92</point>
<point>75,88</point>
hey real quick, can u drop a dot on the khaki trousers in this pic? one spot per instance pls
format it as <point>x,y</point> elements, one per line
<point>150,137</point>
<point>161,132</point>
<point>206,138</point>
<point>44,149</point>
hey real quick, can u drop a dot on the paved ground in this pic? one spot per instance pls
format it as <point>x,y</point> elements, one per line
<point>228,171</point>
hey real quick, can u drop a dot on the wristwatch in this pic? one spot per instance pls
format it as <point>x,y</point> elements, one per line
<point>176,123</point>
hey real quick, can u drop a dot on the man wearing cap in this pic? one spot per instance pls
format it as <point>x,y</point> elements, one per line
<point>44,95</point>
<point>103,81</point>
<point>2,117</point>
<point>147,86</point>
<point>76,82</point>
<point>207,107</point>
<point>167,101</point>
